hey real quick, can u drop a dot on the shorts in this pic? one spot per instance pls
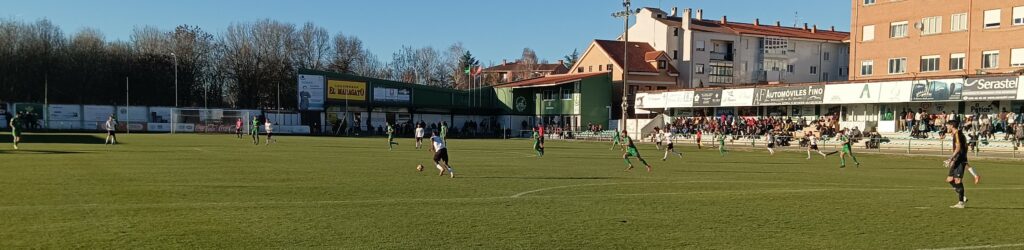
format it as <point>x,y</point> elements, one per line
<point>671,146</point>
<point>957,169</point>
<point>814,147</point>
<point>847,149</point>
<point>16,133</point>
<point>441,155</point>
<point>111,132</point>
<point>238,130</point>
<point>771,145</point>
<point>632,152</point>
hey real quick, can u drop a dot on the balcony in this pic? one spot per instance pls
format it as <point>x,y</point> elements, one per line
<point>721,56</point>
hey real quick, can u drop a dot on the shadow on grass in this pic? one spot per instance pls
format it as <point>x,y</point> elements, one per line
<point>55,138</point>
<point>29,151</point>
<point>997,208</point>
<point>542,178</point>
<point>743,172</point>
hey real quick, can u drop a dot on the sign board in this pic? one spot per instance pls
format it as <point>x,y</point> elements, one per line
<point>655,101</point>
<point>790,95</point>
<point>852,93</point>
<point>1020,88</point>
<point>937,90</point>
<point>311,92</point>
<point>892,92</point>
<point>346,90</point>
<point>640,100</point>
<point>133,114</point>
<point>97,113</point>
<point>707,98</point>
<point>737,97</point>
<point>59,112</point>
<point>398,95</point>
<point>679,99</point>
<point>991,88</point>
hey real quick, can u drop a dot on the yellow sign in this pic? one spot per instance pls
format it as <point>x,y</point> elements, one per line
<point>346,90</point>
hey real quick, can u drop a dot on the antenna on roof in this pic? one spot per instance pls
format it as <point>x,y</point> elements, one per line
<point>796,18</point>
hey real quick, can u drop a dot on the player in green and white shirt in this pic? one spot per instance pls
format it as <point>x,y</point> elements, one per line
<point>847,150</point>
<point>444,132</point>
<point>720,136</point>
<point>538,143</point>
<point>254,130</point>
<point>632,151</point>
<point>391,137</point>
<point>617,141</point>
<point>15,124</point>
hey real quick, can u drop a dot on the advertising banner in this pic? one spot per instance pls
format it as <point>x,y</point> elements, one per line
<point>679,99</point>
<point>707,98</point>
<point>1020,88</point>
<point>133,114</point>
<point>852,93</point>
<point>311,92</point>
<point>60,112</point>
<point>640,100</point>
<point>97,113</point>
<point>790,95</point>
<point>737,97</point>
<point>346,90</point>
<point>937,90</point>
<point>399,95</point>
<point>654,101</point>
<point>991,88</point>
<point>891,92</point>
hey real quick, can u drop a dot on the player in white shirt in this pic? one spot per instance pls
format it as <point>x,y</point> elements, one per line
<point>437,145</point>
<point>658,138</point>
<point>770,138</point>
<point>669,146</point>
<point>812,144</point>
<point>111,126</point>
<point>419,135</point>
<point>270,132</point>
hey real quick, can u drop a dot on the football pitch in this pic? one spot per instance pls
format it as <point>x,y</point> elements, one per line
<point>216,191</point>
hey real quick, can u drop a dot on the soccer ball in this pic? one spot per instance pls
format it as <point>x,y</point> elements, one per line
<point>419,167</point>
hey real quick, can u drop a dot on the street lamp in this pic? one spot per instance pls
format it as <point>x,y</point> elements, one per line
<point>625,57</point>
<point>175,79</point>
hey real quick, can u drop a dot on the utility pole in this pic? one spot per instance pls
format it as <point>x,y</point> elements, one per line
<point>625,58</point>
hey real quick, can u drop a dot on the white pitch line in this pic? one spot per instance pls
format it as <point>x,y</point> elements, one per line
<point>977,247</point>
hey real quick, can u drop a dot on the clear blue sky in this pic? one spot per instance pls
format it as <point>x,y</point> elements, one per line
<point>491,30</point>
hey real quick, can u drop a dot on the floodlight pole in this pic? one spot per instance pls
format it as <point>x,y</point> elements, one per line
<point>625,59</point>
<point>175,79</point>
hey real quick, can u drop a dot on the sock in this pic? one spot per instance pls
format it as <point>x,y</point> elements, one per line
<point>973,173</point>
<point>627,161</point>
<point>842,161</point>
<point>450,169</point>
<point>808,154</point>
<point>439,167</point>
<point>960,191</point>
<point>666,155</point>
<point>854,159</point>
<point>644,162</point>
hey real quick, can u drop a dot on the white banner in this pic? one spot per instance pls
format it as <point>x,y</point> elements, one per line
<point>852,93</point>
<point>654,101</point>
<point>61,112</point>
<point>133,114</point>
<point>381,94</point>
<point>640,100</point>
<point>679,99</point>
<point>96,113</point>
<point>737,97</point>
<point>311,92</point>
<point>1020,88</point>
<point>890,92</point>
<point>158,127</point>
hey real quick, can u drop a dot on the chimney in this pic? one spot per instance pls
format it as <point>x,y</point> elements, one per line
<point>778,24</point>
<point>561,62</point>
<point>700,14</point>
<point>815,29</point>
<point>833,28</point>
<point>674,11</point>
<point>725,20</point>
<point>504,61</point>
<point>686,19</point>
<point>757,22</point>
<point>805,26</point>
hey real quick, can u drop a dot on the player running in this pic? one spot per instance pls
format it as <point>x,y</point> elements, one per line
<point>720,136</point>
<point>669,146</point>
<point>617,141</point>
<point>957,163</point>
<point>444,132</point>
<point>658,139</point>
<point>770,137</point>
<point>254,130</point>
<point>632,151</point>
<point>812,144</point>
<point>391,137</point>
<point>437,146</point>
<point>538,142</point>
<point>419,135</point>
<point>111,126</point>
<point>846,150</point>
<point>15,124</point>
<point>270,132</point>
<point>699,143</point>
<point>238,127</point>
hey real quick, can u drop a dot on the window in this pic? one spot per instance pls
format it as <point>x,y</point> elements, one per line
<point>590,68</point>
<point>699,68</point>
<point>897,65</point>
<point>867,68</point>
<point>992,18</point>
<point>929,63</point>
<point>990,59</point>
<point>549,95</point>
<point>789,68</point>
<point>843,71</point>
<point>567,94</point>
<point>869,2</point>
<point>1017,58</point>
<point>579,70</point>
<point>958,22</point>
<point>662,64</point>
<point>675,31</point>
<point>956,61</point>
<point>824,76</point>
<point>600,68</point>
<point>814,70</point>
<point>700,45</point>
<point>898,29</point>
<point>931,25</point>
<point>675,54</point>
<point>609,67</point>
<point>826,56</point>
<point>868,33</point>
<point>1018,15</point>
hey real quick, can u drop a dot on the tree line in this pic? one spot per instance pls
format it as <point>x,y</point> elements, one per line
<point>247,65</point>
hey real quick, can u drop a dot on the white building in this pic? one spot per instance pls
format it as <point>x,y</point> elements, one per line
<point>722,53</point>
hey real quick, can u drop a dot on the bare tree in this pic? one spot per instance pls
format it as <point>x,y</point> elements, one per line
<point>312,47</point>
<point>527,66</point>
<point>347,51</point>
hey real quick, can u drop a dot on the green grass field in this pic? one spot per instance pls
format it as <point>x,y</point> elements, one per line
<point>215,191</point>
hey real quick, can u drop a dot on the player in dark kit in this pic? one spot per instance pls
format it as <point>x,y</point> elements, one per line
<point>957,163</point>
